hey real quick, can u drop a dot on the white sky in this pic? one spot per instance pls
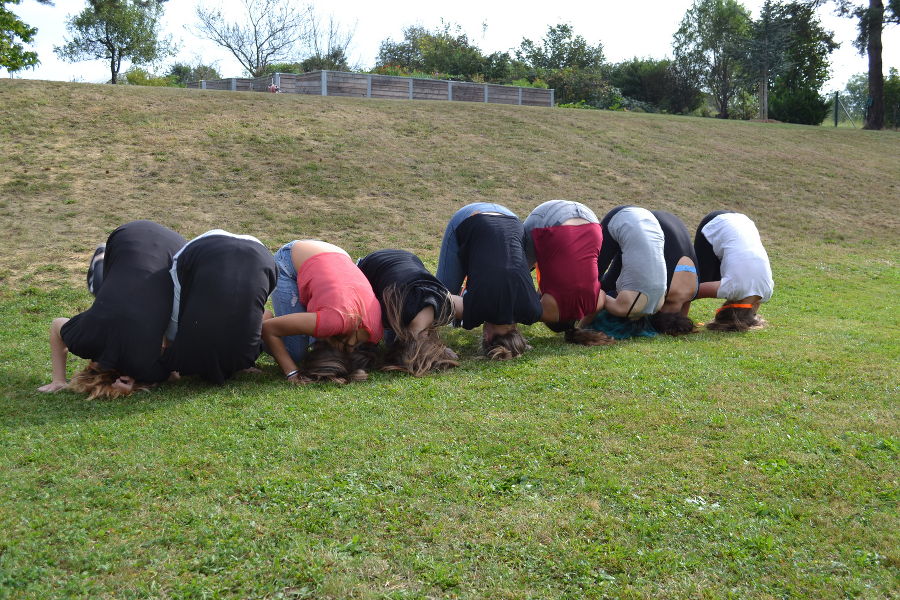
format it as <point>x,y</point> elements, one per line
<point>625,28</point>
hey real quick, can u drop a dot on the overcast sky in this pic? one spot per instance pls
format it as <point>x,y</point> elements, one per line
<point>626,29</point>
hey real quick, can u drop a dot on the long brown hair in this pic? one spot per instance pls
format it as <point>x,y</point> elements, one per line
<point>325,363</point>
<point>505,346</point>
<point>730,318</point>
<point>587,337</point>
<point>421,353</point>
<point>98,383</point>
<point>672,323</point>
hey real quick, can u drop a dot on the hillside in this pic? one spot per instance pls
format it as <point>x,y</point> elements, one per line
<point>80,159</point>
<point>760,465</point>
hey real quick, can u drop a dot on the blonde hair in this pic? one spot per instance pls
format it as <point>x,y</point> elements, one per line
<point>420,353</point>
<point>98,383</point>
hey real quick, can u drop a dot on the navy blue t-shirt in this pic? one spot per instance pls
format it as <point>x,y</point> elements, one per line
<point>225,282</point>
<point>499,288</point>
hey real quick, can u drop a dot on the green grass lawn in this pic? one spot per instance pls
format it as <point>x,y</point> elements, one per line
<point>762,465</point>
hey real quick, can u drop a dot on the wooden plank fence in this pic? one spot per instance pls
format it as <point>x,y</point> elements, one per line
<point>364,85</point>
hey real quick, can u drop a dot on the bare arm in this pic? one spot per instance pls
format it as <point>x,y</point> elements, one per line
<point>422,321</point>
<point>550,313</point>
<point>58,353</point>
<point>457,306</point>
<point>709,289</point>
<point>274,329</point>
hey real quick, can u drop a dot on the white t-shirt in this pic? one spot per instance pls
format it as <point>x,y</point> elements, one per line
<point>745,265</point>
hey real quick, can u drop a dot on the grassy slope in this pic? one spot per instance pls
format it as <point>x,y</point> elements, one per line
<point>762,465</point>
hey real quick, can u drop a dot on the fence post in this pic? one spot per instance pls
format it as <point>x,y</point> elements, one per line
<point>520,96</point>
<point>369,87</point>
<point>485,93</point>
<point>450,91</point>
<point>277,80</point>
<point>410,88</point>
<point>233,84</point>
<point>552,97</point>
<point>837,107</point>
<point>324,83</point>
<point>202,84</point>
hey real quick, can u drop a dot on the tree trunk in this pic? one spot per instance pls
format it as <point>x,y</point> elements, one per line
<point>875,114</point>
<point>764,95</point>
<point>113,71</point>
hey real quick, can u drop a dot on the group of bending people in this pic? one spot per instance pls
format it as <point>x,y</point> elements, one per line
<point>166,307</point>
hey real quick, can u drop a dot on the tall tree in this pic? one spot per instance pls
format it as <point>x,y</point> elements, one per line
<point>329,42</point>
<point>796,85</point>
<point>767,49</point>
<point>116,30</point>
<point>561,49</point>
<point>712,42</point>
<point>872,16</point>
<point>268,31</point>
<point>13,34</point>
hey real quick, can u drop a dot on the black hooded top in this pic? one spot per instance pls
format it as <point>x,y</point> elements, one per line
<point>123,329</point>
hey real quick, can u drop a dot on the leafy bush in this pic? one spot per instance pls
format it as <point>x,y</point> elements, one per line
<point>525,82</point>
<point>655,85</point>
<point>182,73</point>
<point>804,106</point>
<point>139,76</point>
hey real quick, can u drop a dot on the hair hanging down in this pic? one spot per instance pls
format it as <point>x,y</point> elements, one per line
<point>505,346</point>
<point>672,323</point>
<point>588,337</point>
<point>736,319</point>
<point>577,335</point>
<point>421,353</point>
<point>98,383</point>
<point>325,363</point>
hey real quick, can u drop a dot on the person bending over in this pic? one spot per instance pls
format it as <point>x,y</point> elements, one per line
<point>632,263</point>
<point>484,244</point>
<point>221,283</point>
<point>121,334</point>
<point>321,294</point>
<point>734,266</point>
<point>414,303</point>
<point>563,240</point>
<point>681,277</point>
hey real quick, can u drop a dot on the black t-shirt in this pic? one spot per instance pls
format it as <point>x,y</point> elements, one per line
<point>708,266</point>
<point>499,288</point>
<point>417,286</point>
<point>225,282</point>
<point>677,242</point>
<point>123,329</point>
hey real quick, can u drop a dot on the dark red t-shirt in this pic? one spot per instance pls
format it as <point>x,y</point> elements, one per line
<point>567,260</point>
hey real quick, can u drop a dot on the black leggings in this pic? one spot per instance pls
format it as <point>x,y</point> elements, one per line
<point>708,265</point>
<point>677,242</point>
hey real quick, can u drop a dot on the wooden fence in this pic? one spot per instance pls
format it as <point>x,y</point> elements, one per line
<point>363,85</point>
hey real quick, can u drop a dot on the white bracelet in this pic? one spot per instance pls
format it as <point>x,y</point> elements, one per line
<point>292,373</point>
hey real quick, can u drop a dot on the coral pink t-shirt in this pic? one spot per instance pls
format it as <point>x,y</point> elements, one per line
<point>331,286</point>
<point>567,259</point>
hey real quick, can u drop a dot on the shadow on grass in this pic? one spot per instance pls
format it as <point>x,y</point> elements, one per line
<point>26,407</point>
